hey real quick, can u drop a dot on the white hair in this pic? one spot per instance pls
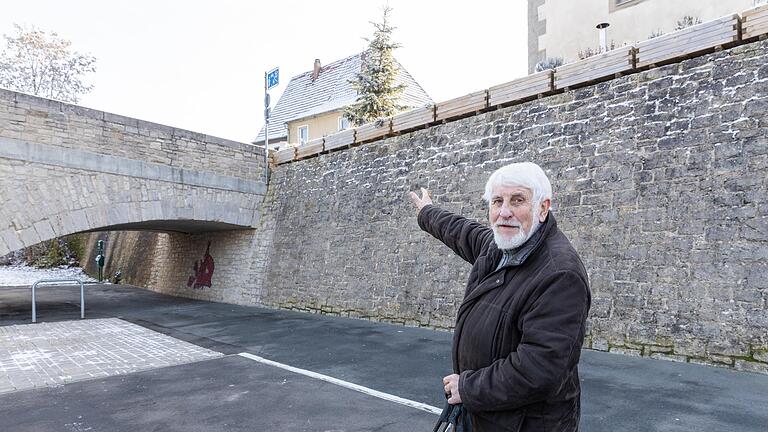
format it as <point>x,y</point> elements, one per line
<point>523,174</point>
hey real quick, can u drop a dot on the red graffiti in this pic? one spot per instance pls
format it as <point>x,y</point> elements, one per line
<point>203,271</point>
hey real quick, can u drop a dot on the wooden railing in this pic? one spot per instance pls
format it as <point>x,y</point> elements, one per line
<point>721,33</point>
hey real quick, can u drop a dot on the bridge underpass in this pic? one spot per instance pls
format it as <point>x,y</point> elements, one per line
<point>68,169</point>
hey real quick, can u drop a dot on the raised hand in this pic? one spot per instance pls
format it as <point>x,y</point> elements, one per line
<point>420,202</point>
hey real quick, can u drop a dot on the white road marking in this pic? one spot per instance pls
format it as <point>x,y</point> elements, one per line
<point>346,384</point>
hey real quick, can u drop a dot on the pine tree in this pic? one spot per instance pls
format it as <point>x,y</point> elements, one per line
<point>376,83</point>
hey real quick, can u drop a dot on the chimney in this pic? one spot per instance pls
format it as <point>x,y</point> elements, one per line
<point>603,36</point>
<point>316,70</point>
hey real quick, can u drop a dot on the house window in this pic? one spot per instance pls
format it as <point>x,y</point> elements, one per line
<point>303,134</point>
<point>343,123</point>
<point>614,5</point>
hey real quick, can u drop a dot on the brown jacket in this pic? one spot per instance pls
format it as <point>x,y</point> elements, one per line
<point>520,329</point>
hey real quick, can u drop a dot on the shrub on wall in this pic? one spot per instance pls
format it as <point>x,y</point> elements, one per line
<point>549,63</point>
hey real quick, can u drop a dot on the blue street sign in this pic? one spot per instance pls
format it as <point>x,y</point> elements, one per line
<point>273,78</point>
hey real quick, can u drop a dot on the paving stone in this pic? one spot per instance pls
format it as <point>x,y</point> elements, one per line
<point>51,354</point>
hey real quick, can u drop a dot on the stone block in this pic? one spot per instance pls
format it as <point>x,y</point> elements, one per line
<point>626,351</point>
<point>44,230</point>
<point>761,355</point>
<point>11,239</point>
<point>689,346</point>
<point>658,349</point>
<point>749,366</point>
<point>28,236</point>
<point>728,347</point>
<point>669,357</point>
<point>721,359</point>
<point>599,344</point>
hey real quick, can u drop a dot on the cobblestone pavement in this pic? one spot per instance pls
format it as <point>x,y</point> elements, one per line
<point>52,354</point>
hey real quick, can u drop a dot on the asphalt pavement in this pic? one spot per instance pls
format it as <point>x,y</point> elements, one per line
<point>233,392</point>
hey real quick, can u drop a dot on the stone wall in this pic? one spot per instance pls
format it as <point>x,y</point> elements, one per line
<point>164,262</point>
<point>659,181</point>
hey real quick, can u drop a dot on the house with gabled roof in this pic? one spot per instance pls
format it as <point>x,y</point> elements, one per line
<point>313,103</point>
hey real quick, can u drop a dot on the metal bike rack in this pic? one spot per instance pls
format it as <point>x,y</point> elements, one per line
<point>82,295</point>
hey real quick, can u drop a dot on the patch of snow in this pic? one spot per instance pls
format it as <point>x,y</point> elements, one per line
<point>20,275</point>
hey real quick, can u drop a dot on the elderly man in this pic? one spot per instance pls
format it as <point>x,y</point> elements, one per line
<point>521,325</point>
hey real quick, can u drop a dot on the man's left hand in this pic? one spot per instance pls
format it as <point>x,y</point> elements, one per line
<point>451,387</point>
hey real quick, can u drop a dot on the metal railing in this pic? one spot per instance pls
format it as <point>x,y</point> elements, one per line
<point>82,295</point>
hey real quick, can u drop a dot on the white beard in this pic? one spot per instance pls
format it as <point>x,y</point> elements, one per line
<point>518,239</point>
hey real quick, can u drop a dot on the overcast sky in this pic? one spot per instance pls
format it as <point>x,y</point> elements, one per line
<point>199,65</point>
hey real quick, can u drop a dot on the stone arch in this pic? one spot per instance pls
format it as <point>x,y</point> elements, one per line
<point>44,202</point>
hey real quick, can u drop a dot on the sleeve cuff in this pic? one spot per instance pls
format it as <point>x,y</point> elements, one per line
<point>462,389</point>
<point>421,216</point>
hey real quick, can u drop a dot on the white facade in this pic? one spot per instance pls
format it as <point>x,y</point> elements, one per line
<point>563,28</point>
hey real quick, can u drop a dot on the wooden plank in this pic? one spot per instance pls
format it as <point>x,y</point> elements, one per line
<point>755,30</point>
<point>464,101</point>
<point>758,15</point>
<point>622,55</point>
<point>690,39</point>
<point>645,58</point>
<point>284,155</point>
<point>622,64</point>
<point>755,12</point>
<point>759,20</point>
<point>755,22</point>
<point>310,148</point>
<point>701,31</point>
<point>413,118</point>
<point>593,68</point>
<point>708,27</point>
<point>687,41</point>
<point>341,139</point>
<point>586,66</point>
<point>510,90</point>
<point>587,76</point>
<point>723,21</point>
<point>675,39</point>
<point>373,130</point>
<point>532,85</point>
<point>695,45</point>
<point>462,105</point>
<point>587,70</point>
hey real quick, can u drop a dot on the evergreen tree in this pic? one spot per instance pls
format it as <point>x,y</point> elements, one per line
<point>376,83</point>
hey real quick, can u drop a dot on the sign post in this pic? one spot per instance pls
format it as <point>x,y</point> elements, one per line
<point>271,80</point>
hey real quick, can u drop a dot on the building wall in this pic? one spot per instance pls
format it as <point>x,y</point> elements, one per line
<point>570,25</point>
<point>319,126</point>
<point>537,25</point>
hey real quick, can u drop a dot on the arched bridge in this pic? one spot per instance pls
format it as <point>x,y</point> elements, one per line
<point>66,169</point>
